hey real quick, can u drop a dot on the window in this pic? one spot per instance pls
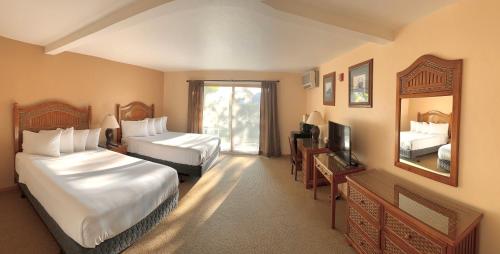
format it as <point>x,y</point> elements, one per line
<point>232,112</point>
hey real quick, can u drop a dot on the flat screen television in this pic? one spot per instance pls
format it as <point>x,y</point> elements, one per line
<point>339,141</point>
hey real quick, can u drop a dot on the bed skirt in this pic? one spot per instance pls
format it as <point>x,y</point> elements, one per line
<point>116,244</point>
<point>413,154</point>
<point>191,170</point>
<point>444,164</point>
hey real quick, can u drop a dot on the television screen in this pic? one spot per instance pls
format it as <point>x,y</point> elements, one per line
<point>339,141</point>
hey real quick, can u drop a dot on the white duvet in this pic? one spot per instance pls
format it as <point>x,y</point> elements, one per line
<point>410,140</point>
<point>95,195</point>
<point>444,152</point>
<point>184,148</point>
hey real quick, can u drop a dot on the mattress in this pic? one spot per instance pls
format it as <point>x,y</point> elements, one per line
<point>410,140</point>
<point>444,152</point>
<point>96,195</point>
<point>183,148</point>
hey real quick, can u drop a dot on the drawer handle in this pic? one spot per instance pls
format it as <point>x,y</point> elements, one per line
<point>407,236</point>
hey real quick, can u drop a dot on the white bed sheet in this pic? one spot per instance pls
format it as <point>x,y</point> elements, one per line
<point>444,152</point>
<point>184,148</point>
<point>410,140</point>
<point>96,195</point>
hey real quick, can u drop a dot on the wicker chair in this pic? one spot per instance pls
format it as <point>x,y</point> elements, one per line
<point>295,158</point>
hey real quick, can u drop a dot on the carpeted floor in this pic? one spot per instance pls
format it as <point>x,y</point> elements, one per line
<point>245,204</point>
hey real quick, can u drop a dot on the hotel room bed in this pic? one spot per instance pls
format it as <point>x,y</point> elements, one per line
<point>95,201</point>
<point>415,144</point>
<point>418,141</point>
<point>188,153</point>
<point>191,150</point>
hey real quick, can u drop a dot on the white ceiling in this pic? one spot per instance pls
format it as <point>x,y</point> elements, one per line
<point>43,21</point>
<point>269,35</point>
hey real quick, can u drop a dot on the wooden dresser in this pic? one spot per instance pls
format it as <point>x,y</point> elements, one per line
<point>386,214</point>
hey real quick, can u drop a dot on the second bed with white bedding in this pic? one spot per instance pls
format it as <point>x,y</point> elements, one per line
<point>444,152</point>
<point>183,148</point>
<point>95,195</point>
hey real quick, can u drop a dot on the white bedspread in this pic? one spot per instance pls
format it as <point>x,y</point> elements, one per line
<point>95,195</point>
<point>410,140</point>
<point>444,152</point>
<point>184,148</point>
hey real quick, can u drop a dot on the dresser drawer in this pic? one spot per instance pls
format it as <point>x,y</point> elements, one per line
<point>419,242</point>
<point>368,205</point>
<point>366,226</point>
<point>324,171</point>
<point>360,242</point>
<point>389,247</point>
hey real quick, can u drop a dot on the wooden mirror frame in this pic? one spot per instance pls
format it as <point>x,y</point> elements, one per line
<point>431,76</point>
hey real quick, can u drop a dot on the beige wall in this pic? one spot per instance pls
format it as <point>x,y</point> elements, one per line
<point>29,76</point>
<point>467,30</point>
<point>441,103</point>
<point>291,97</point>
<point>410,107</point>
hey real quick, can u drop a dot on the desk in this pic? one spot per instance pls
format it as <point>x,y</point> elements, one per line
<point>308,149</point>
<point>296,135</point>
<point>335,173</point>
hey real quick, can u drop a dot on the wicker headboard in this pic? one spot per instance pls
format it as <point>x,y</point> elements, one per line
<point>134,111</point>
<point>47,116</point>
<point>435,116</point>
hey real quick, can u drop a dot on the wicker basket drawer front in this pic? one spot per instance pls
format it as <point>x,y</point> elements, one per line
<point>418,241</point>
<point>390,247</point>
<point>360,241</point>
<point>365,225</point>
<point>370,206</point>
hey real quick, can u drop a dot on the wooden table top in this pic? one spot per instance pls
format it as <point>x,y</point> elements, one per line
<point>309,144</point>
<point>329,161</point>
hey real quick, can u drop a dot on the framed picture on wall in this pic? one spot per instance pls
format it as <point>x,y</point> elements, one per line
<point>361,84</point>
<point>329,89</point>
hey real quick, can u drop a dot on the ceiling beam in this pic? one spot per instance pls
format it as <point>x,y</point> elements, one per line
<point>77,37</point>
<point>368,30</point>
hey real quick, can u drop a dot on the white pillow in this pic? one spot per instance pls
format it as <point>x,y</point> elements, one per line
<point>164,124</point>
<point>66,139</point>
<point>93,139</point>
<point>158,128</point>
<point>46,143</point>
<point>151,126</point>
<point>80,140</point>
<point>414,126</point>
<point>438,128</point>
<point>135,128</point>
<point>423,127</point>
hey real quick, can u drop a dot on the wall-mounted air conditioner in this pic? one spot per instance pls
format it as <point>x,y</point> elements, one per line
<point>310,79</point>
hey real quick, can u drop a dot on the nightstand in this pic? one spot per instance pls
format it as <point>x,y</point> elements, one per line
<point>118,148</point>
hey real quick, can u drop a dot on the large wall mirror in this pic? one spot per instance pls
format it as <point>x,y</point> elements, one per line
<point>428,118</point>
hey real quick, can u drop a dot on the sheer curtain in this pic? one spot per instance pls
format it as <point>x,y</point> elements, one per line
<point>195,106</point>
<point>269,130</point>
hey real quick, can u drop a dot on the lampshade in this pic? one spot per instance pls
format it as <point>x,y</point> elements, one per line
<point>315,118</point>
<point>110,122</point>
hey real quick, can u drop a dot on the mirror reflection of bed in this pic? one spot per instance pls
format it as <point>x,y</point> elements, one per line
<point>425,133</point>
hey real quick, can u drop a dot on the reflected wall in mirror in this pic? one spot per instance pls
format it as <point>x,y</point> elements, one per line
<point>427,118</point>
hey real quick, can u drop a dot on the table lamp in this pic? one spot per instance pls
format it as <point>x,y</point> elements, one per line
<point>109,123</point>
<point>315,120</point>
